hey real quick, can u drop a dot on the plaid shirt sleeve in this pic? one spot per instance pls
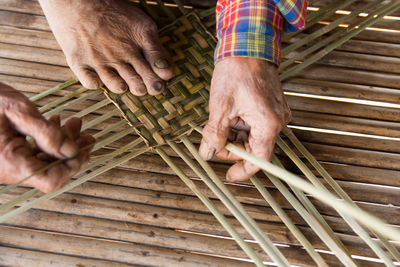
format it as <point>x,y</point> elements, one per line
<point>253,28</point>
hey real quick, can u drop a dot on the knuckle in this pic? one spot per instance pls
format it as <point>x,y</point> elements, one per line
<point>149,28</point>
<point>148,75</point>
<point>211,131</point>
<point>264,134</point>
<point>74,59</point>
<point>18,105</point>
<point>29,169</point>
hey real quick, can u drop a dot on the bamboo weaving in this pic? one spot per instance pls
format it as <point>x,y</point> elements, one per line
<point>166,121</point>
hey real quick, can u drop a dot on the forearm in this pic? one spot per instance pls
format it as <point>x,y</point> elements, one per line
<point>253,28</point>
<point>249,28</point>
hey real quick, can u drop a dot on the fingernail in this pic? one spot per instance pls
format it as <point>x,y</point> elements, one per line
<point>158,86</point>
<point>141,89</point>
<point>210,154</point>
<point>205,152</point>
<point>229,178</point>
<point>161,64</point>
<point>122,87</point>
<point>68,148</point>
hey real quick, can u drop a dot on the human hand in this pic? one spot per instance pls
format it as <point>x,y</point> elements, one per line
<point>111,43</point>
<point>248,108</point>
<point>20,158</point>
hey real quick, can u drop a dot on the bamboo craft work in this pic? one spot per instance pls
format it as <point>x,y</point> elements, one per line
<point>167,120</point>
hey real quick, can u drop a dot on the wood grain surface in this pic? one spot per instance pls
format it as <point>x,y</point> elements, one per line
<point>140,213</point>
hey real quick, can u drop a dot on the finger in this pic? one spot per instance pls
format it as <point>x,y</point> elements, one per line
<point>75,164</point>
<point>215,135</point>
<point>87,77</point>
<point>86,142</point>
<point>45,181</point>
<point>59,175</point>
<point>26,119</point>
<point>55,119</point>
<point>261,144</point>
<point>225,154</point>
<point>134,81</point>
<point>72,128</point>
<point>157,57</point>
<point>112,80</point>
<point>154,84</point>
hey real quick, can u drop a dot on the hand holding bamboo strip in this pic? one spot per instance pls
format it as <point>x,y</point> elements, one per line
<point>168,118</point>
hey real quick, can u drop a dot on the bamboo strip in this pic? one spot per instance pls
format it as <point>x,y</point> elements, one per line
<point>316,221</point>
<point>335,186</point>
<point>112,250</point>
<point>327,10</point>
<point>69,104</point>
<point>207,202</point>
<point>88,110</point>
<point>74,183</point>
<point>323,195</point>
<point>23,197</point>
<point>324,230</point>
<point>213,182</point>
<point>354,225</point>
<point>314,212</point>
<point>53,90</point>
<point>326,236</point>
<point>155,235</point>
<point>217,178</point>
<point>105,142</point>
<point>62,99</point>
<point>12,186</point>
<point>100,119</point>
<point>111,128</point>
<point>206,13</point>
<point>387,10</point>
<point>324,12</point>
<point>112,138</point>
<point>349,220</point>
<point>111,206</point>
<point>331,26</point>
<point>288,222</point>
<point>340,34</point>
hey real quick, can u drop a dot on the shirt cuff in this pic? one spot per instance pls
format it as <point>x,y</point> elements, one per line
<point>249,28</point>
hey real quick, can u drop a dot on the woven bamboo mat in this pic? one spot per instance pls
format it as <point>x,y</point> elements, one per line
<point>153,196</point>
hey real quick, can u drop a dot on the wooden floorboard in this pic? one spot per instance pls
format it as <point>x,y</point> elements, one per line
<point>141,213</point>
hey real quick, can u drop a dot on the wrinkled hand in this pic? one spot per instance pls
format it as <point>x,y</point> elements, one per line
<point>248,108</point>
<point>111,43</point>
<point>20,158</point>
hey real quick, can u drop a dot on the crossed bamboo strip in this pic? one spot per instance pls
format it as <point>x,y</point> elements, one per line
<point>304,207</point>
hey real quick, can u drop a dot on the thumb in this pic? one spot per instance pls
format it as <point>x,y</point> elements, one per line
<point>215,135</point>
<point>26,119</point>
<point>261,144</point>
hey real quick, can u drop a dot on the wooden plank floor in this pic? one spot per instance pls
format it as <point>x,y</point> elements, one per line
<point>142,214</point>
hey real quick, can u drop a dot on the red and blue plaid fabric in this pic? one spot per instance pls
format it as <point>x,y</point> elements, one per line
<point>253,28</point>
